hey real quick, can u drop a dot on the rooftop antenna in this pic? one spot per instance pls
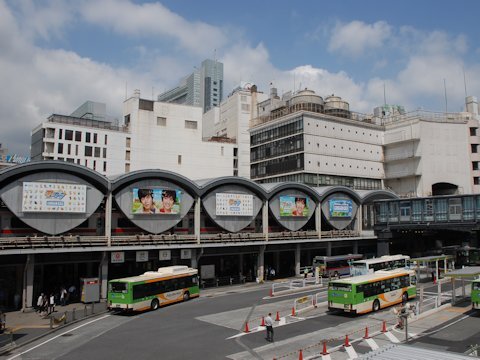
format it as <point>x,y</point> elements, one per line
<point>464,81</point>
<point>384,95</point>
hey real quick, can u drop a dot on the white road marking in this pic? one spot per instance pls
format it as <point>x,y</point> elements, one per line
<point>57,336</point>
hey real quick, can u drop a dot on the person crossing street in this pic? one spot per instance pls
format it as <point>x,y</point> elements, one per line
<point>269,326</point>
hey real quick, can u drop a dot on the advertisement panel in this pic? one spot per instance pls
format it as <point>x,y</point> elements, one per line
<point>291,205</point>
<point>54,197</point>
<point>141,256</point>
<point>156,201</point>
<point>117,257</point>
<point>233,204</point>
<point>340,208</point>
<point>164,255</point>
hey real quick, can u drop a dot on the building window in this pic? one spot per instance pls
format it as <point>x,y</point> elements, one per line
<point>473,131</point>
<point>475,165</point>
<point>88,151</point>
<point>104,153</point>
<point>95,138</point>
<point>69,149</point>
<point>94,164</point>
<point>104,166</point>
<point>106,139</point>
<point>190,124</point>
<point>127,168</point>
<point>246,107</point>
<point>127,155</point>
<point>87,137</point>
<point>97,152</point>
<point>128,142</point>
<point>78,136</point>
<point>179,160</point>
<point>60,148</point>
<point>60,131</point>
<point>161,121</point>
<point>68,134</point>
<point>474,148</point>
<point>76,150</point>
<point>235,151</point>
<point>476,180</point>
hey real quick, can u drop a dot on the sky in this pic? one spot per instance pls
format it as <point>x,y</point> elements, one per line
<point>57,54</point>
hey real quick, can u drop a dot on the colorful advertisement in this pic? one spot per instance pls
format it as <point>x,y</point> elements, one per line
<point>54,197</point>
<point>340,208</point>
<point>291,205</point>
<point>233,204</point>
<point>156,201</point>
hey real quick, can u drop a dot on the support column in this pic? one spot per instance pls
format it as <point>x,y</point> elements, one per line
<point>454,298</point>
<point>261,263</point>
<point>193,260</point>
<point>196,219</point>
<point>28,276</point>
<point>359,224</point>
<point>297,260</point>
<point>329,248</point>
<point>103,275</point>
<point>108,218</point>
<point>318,221</point>
<point>265,219</point>
<point>355,247</point>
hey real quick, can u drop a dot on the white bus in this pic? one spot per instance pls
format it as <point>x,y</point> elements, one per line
<point>386,262</point>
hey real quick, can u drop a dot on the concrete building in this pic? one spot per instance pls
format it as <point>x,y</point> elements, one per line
<point>232,120</point>
<point>203,87</point>
<point>169,136</point>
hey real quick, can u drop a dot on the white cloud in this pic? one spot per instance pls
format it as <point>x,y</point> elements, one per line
<point>356,37</point>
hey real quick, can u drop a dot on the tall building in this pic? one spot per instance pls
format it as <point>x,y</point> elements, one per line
<point>203,87</point>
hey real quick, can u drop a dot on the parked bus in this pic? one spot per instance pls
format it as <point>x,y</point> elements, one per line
<point>153,289</point>
<point>365,293</point>
<point>463,255</point>
<point>334,266</point>
<point>475,294</point>
<point>386,262</point>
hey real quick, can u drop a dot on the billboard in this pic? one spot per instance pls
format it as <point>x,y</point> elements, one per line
<point>340,208</point>
<point>291,205</point>
<point>54,197</point>
<point>233,204</point>
<point>156,201</point>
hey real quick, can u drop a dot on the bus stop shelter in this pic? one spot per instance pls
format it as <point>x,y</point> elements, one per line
<point>469,273</point>
<point>427,262</point>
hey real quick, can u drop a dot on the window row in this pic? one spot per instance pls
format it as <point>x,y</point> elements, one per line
<point>291,127</point>
<point>277,166</point>
<point>159,287</point>
<point>349,166</point>
<point>87,137</point>
<point>277,148</point>
<point>68,149</point>
<point>357,132</point>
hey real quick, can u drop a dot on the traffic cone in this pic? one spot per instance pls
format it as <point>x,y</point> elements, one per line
<point>293,311</point>
<point>434,280</point>
<point>271,292</point>
<point>263,321</point>
<point>366,333</point>
<point>384,326</point>
<point>324,352</point>
<point>300,354</point>
<point>347,343</point>
<point>246,327</point>
<point>278,317</point>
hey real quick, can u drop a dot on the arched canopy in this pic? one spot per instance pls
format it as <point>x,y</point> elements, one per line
<point>369,196</point>
<point>278,187</point>
<point>234,180</point>
<point>324,192</point>
<point>10,174</point>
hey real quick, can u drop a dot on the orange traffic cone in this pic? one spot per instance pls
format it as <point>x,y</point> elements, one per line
<point>324,352</point>
<point>278,317</point>
<point>384,326</point>
<point>300,354</point>
<point>246,327</point>
<point>271,292</point>
<point>293,311</point>
<point>366,333</point>
<point>263,321</point>
<point>347,343</point>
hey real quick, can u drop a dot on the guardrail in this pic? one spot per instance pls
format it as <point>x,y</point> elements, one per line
<point>78,241</point>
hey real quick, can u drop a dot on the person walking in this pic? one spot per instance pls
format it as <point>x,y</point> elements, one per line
<point>269,326</point>
<point>51,304</point>
<point>40,303</point>
<point>63,296</point>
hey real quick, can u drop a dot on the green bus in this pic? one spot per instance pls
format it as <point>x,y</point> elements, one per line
<point>153,289</point>
<point>475,294</point>
<point>372,292</point>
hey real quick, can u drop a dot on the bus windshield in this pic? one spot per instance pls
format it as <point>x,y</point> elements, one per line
<point>339,286</point>
<point>118,287</point>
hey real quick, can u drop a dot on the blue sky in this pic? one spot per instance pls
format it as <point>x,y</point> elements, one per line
<point>57,54</point>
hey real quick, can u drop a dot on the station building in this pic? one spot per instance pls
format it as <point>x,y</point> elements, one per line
<point>61,222</point>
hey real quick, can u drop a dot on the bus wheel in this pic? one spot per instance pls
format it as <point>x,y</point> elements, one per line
<point>154,304</point>
<point>404,298</point>
<point>186,296</point>
<point>376,305</point>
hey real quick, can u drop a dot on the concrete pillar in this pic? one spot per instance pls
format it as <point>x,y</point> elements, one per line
<point>355,247</point>
<point>359,220</point>
<point>193,260</point>
<point>297,260</point>
<point>261,263</point>
<point>329,248</point>
<point>28,276</point>
<point>108,218</point>
<point>103,275</point>
<point>265,219</point>
<point>318,221</point>
<point>196,219</point>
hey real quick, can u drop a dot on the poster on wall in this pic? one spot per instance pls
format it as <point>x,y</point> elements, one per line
<point>340,208</point>
<point>233,204</point>
<point>157,201</point>
<point>164,255</point>
<point>141,256</point>
<point>54,197</point>
<point>117,257</point>
<point>291,205</point>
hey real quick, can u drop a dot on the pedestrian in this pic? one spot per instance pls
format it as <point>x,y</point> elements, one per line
<point>272,273</point>
<point>269,326</point>
<point>71,293</point>
<point>51,304</point>
<point>63,296</point>
<point>305,272</point>
<point>44,303</point>
<point>40,303</point>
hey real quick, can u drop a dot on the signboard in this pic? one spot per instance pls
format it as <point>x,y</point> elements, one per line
<point>227,204</point>
<point>340,208</point>
<point>185,254</point>
<point>54,197</point>
<point>141,256</point>
<point>164,255</point>
<point>293,205</point>
<point>117,257</point>
<point>156,201</point>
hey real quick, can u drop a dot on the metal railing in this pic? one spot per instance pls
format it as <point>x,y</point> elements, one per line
<point>59,242</point>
